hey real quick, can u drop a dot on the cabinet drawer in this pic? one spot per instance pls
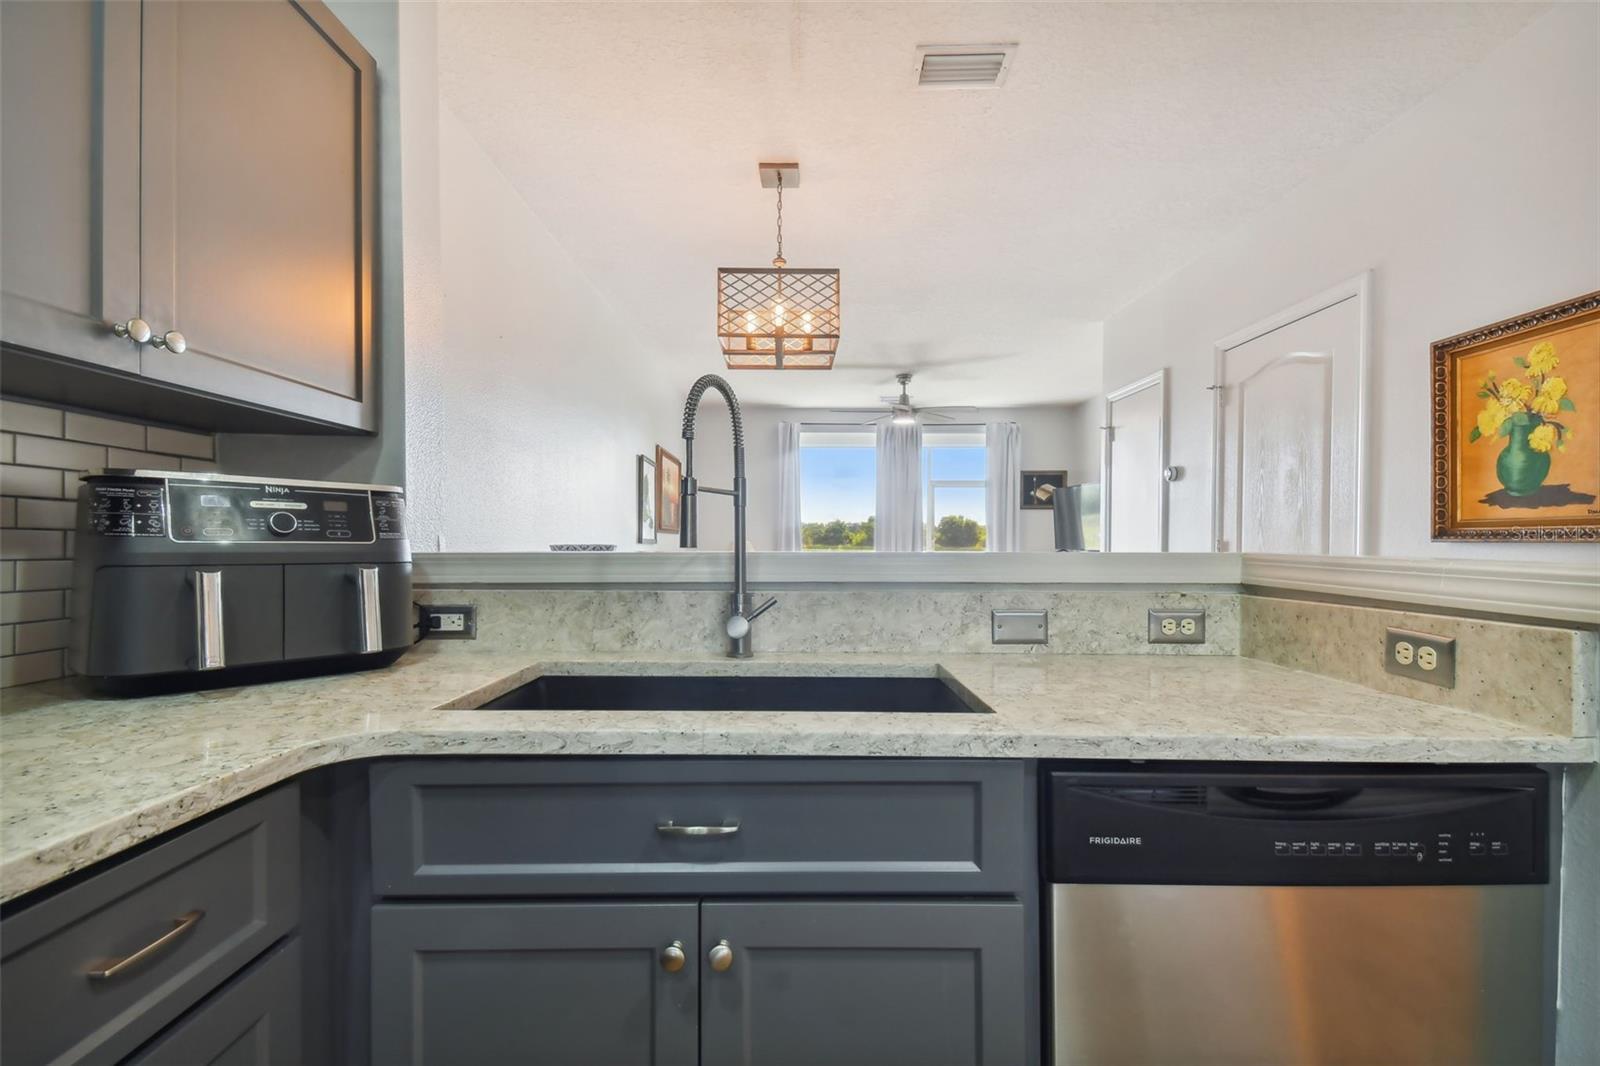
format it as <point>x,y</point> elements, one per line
<point>565,827</point>
<point>237,872</point>
<point>253,1020</point>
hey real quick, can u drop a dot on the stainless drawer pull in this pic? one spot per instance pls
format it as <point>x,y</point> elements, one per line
<point>211,642</point>
<point>113,967</point>
<point>371,609</point>
<point>671,830</point>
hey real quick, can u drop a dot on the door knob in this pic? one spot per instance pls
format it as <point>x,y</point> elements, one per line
<point>722,957</point>
<point>136,330</point>
<point>172,341</point>
<point>672,957</point>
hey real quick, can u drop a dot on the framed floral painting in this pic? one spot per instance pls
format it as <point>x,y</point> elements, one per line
<point>1516,428</point>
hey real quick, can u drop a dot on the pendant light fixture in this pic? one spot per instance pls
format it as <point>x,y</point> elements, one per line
<point>777,318</point>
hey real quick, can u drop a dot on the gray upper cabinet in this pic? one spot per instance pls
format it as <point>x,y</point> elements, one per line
<point>579,984</point>
<point>863,983</point>
<point>208,168</point>
<point>69,179</point>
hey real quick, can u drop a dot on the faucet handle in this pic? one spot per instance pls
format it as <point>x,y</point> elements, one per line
<point>739,624</point>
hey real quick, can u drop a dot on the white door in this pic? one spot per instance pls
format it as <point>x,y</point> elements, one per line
<point>1134,496</point>
<point>1289,433</point>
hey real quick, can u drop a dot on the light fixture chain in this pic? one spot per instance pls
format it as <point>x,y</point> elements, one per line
<point>780,218</point>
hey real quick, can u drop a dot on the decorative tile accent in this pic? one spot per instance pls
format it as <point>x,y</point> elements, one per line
<point>42,452</point>
<point>1529,674</point>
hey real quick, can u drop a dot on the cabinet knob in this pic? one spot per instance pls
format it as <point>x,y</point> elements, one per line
<point>672,957</point>
<point>722,957</point>
<point>172,341</point>
<point>136,330</point>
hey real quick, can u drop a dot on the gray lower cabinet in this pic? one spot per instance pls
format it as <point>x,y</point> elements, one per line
<point>574,984</point>
<point>94,971</point>
<point>205,170</point>
<point>864,983</point>
<point>253,1020</point>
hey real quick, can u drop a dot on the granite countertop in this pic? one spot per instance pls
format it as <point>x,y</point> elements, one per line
<point>83,778</point>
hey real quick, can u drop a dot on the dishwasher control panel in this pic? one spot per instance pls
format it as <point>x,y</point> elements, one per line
<point>1220,824</point>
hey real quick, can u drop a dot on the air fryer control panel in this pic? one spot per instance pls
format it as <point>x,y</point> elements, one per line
<point>243,512</point>
<point>210,512</point>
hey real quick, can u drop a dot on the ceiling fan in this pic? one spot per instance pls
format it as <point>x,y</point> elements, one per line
<point>901,410</point>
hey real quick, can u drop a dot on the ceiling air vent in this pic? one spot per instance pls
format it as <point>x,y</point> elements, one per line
<point>963,66</point>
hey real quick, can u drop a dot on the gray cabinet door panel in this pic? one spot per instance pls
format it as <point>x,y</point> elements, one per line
<point>258,204</point>
<point>69,178</point>
<point>893,983</point>
<point>574,984</point>
<point>239,870</point>
<point>253,1020</point>
<point>574,826</point>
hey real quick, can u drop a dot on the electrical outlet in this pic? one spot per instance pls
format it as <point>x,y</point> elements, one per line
<point>450,622</point>
<point>1422,656</point>
<point>1019,627</point>
<point>1178,626</point>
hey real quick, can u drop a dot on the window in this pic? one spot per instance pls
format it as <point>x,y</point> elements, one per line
<point>838,488</point>
<point>955,487</point>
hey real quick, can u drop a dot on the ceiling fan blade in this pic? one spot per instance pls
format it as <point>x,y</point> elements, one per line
<point>926,413</point>
<point>856,410</point>
<point>947,407</point>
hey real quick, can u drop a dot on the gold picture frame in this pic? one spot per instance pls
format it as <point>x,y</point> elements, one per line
<point>1516,428</point>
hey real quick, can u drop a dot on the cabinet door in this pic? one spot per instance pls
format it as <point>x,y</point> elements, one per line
<point>579,984</point>
<point>883,983</point>
<point>69,178</point>
<point>253,1020</point>
<point>258,204</point>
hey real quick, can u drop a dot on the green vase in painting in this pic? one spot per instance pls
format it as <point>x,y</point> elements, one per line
<point>1521,469</point>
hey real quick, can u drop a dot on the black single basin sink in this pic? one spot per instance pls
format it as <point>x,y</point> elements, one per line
<point>638,692</point>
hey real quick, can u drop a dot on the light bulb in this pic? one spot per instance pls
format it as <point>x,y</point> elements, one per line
<point>777,314</point>
<point>805,320</point>
<point>749,321</point>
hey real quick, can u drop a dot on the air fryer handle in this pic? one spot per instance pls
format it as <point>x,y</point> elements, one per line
<point>210,646</point>
<point>371,609</point>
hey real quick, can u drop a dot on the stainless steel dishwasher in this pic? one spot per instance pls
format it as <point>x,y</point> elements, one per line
<point>1227,914</point>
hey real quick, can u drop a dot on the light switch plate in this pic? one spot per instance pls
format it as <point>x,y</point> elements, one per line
<point>1421,656</point>
<point>1019,627</point>
<point>1178,626</point>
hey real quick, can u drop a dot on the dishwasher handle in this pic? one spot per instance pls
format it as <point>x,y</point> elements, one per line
<point>1291,799</point>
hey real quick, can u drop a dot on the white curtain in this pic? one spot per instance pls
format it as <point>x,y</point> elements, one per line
<point>788,486</point>
<point>899,521</point>
<point>1003,498</point>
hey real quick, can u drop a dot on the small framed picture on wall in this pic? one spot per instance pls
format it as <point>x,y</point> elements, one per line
<point>647,500</point>
<point>669,492</point>
<point>1039,488</point>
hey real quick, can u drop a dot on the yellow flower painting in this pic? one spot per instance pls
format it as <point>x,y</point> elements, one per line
<point>1517,417</point>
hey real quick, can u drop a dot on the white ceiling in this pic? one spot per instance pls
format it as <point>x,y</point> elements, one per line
<point>982,235</point>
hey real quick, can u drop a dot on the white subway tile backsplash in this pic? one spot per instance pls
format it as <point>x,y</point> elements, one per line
<point>26,669</point>
<point>118,457</point>
<point>43,450</point>
<point>31,481</point>
<point>41,636</point>
<point>61,454</point>
<point>32,606</point>
<point>32,544</point>
<point>46,514</point>
<point>30,574</point>
<point>96,430</point>
<point>178,442</point>
<point>30,418</point>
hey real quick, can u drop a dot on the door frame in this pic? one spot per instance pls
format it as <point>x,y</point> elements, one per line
<point>1358,288</point>
<point>1157,380</point>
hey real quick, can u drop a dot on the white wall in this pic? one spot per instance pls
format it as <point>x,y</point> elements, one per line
<point>1052,439</point>
<point>1477,205</point>
<point>530,395</point>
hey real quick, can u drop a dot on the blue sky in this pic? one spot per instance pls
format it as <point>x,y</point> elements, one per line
<point>842,483</point>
